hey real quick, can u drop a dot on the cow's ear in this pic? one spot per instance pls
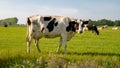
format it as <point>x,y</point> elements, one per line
<point>28,21</point>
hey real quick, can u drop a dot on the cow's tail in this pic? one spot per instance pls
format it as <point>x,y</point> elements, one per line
<point>28,24</point>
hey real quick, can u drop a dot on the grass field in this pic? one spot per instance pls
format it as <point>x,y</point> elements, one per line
<point>85,50</point>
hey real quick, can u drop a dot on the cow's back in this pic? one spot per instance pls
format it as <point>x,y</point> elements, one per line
<point>47,26</point>
<point>55,26</point>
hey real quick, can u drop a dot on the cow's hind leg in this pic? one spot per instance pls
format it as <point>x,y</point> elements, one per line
<point>37,45</point>
<point>28,39</point>
<point>60,44</point>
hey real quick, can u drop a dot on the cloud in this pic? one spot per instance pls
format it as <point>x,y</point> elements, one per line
<point>101,10</point>
<point>23,13</point>
<point>45,10</point>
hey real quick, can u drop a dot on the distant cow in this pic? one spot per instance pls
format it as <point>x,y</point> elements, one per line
<point>100,28</point>
<point>5,25</point>
<point>51,27</point>
<point>103,27</point>
<point>115,28</point>
<point>93,28</point>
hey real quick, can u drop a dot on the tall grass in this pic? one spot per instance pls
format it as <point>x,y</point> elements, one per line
<point>85,50</point>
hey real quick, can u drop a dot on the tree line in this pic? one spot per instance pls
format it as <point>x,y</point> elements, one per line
<point>9,21</point>
<point>104,22</point>
<point>14,20</point>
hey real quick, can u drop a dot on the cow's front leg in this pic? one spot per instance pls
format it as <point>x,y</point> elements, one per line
<point>59,45</point>
<point>65,46</point>
<point>64,41</point>
<point>36,44</point>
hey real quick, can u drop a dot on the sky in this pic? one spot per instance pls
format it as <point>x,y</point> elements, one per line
<point>80,9</point>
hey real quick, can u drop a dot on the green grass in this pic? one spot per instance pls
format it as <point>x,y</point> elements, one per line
<point>83,50</point>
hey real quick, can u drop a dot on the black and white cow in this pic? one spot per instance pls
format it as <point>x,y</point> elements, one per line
<point>51,27</point>
<point>93,27</point>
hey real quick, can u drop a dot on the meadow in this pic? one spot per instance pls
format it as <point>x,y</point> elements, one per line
<point>86,50</point>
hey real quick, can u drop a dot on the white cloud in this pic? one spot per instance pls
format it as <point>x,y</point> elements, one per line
<point>45,10</point>
<point>100,11</point>
<point>23,13</point>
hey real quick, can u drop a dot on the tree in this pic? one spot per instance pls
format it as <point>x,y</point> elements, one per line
<point>105,22</point>
<point>9,21</point>
<point>117,22</point>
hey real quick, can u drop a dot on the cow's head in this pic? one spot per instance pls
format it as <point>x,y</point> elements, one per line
<point>79,26</point>
<point>75,26</point>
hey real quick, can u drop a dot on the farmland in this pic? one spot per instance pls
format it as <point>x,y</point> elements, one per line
<point>85,50</point>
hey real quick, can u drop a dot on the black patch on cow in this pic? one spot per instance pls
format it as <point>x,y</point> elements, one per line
<point>84,22</point>
<point>71,26</point>
<point>28,21</point>
<point>50,25</point>
<point>47,18</point>
<point>42,29</point>
<point>93,28</point>
<point>56,23</point>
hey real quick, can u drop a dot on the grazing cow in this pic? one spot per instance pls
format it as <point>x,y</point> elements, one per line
<point>5,25</point>
<point>115,28</point>
<point>86,26</point>
<point>51,27</point>
<point>100,28</point>
<point>103,27</point>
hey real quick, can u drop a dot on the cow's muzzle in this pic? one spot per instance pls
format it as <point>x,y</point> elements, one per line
<point>80,32</point>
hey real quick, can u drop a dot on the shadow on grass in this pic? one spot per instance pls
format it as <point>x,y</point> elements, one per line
<point>95,54</point>
<point>27,60</point>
